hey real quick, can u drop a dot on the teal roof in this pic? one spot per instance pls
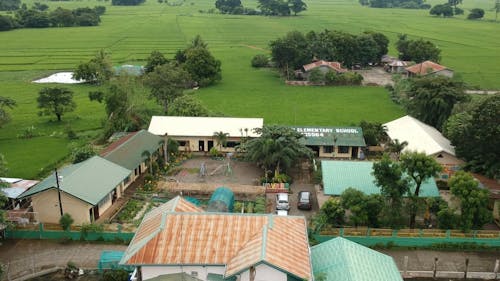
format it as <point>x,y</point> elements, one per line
<point>90,180</point>
<point>343,260</point>
<point>129,154</point>
<point>338,136</point>
<point>133,70</point>
<point>222,200</point>
<point>340,175</point>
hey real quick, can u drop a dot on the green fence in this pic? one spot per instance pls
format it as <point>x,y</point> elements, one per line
<point>411,237</point>
<point>41,233</point>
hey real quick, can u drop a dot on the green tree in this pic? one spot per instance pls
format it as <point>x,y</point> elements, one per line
<point>396,147</point>
<point>374,133</point>
<point>476,14</point>
<point>290,52</point>
<point>66,221</point>
<point>355,201</point>
<point>368,50</point>
<point>6,23</point>
<point>82,153</point>
<point>277,148</point>
<point>432,98</point>
<point>221,138</point>
<point>496,8</point>
<point>333,212</point>
<point>167,82</point>
<point>382,43</point>
<point>475,133</point>
<point>55,101</point>
<point>9,5</point>
<point>98,70</point>
<point>393,186</point>
<point>4,115</point>
<point>417,50</point>
<point>202,66</point>
<point>454,3</point>
<point>155,59</point>
<point>474,211</point>
<point>187,105</point>
<point>419,168</point>
<point>297,6</point>
<point>3,198</point>
<point>444,10</point>
<point>228,6</point>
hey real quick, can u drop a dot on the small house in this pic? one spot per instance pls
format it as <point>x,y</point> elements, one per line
<point>84,190</point>
<point>397,66</point>
<point>323,66</point>
<point>428,68</point>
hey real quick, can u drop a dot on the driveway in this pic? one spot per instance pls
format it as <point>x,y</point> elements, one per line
<point>293,198</point>
<point>376,76</point>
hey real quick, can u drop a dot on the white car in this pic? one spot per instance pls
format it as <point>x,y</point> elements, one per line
<point>283,213</point>
<point>282,202</point>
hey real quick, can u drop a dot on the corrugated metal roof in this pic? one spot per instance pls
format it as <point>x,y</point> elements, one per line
<point>338,136</point>
<point>204,126</point>
<point>236,240</point>
<point>420,136</point>
<point>425,68</point>
<point>344,260</point>
<point>90,180</point>
<point>340,175</point>
<point>129,153</point>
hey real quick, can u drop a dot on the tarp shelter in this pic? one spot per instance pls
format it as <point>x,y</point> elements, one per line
<point>222,200</point>
<point>127,69</point>
<point>193,200</point>
<point>111,260</point>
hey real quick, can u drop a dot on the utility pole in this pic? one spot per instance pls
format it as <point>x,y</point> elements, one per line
<point>59,192</point>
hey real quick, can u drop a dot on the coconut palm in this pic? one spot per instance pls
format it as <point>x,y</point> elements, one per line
<point>146,154</point>
<point>221,138</point>
<point>396,147</point>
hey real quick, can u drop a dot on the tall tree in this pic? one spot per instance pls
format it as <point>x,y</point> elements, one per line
<point>297,6</point>
<point>290,52</point>
<point>187,105</point>
<point>382,43</point>
<point>419,168</point>
<point>417,50</point>
<point>396,147</point>
<point>374,133</point>
<point>474,211</point>
<point>155,59</point>
<point>496,8</point>
<point>393,186</point>
<point>167,82</point>
<point>432,98</point>
<point>98,70</point>
<point>202,66</point>
<point>4,115</point>
<point>221,138</point>
<point>276,149</point>
<point>55,101</point>
<point>227,6</point>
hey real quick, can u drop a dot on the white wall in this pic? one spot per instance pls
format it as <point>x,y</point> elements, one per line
<point>264,273</point>
<point>149,272</point>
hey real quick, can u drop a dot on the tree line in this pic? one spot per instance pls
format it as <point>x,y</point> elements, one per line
<point>38,17</point>
<point>404,4</point>
<point>296,49</point>
<point>266,7</point>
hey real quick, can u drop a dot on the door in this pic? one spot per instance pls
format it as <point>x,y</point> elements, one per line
<point>201,145</point>
<point>354,152</point>
<point>210,145</point>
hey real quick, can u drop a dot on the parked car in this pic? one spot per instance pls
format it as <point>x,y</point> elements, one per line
<point>282,202</point>
<point>304,201</point>
<point>282,213</point>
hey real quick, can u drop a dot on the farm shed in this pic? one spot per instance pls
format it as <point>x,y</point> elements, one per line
<point>339,259</point>
<point>429,68</point>
<point>196,134</point>
<point>222,200</point>
<point>111,260</point>
<point>337,142</point>
<point>340,175</point>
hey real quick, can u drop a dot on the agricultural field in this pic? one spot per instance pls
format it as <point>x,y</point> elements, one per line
<point>131,33</point>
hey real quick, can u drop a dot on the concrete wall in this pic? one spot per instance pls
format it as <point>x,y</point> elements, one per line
<point>192,143</point>
<point>46,204</point>
<point>149,272</point>
<point>337,154</point>
<point>264,272</point>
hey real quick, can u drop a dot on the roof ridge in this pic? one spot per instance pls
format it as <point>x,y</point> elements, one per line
<point>134,134</point>
<point>427,127</point>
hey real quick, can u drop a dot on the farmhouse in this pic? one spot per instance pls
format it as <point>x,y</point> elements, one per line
<point>424,138</point>
<point>397,66</point>
<point>15,187</point>
<point>134,151</point>
<point>196,134</point>
<point>429,68</point>
<point>339,259</point>
<point>178,238</point>
<point>86,189</point>
<point>323,66</point>
<point>340,175</point>
<point>337,142</point>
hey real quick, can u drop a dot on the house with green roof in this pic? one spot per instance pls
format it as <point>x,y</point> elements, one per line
<point>135,151</point>
<point>336,142</point>
<point>87,189</point>
<point>340,175</point>
<point>340,259</point>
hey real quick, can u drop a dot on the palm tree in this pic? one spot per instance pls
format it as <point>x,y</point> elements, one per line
<point>146,154</point>
<point>221,138</point>
<point>396,147</point>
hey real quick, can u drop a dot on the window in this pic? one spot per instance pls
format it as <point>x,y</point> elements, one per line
<point>182,143</point>
<point>232,144</point>
<point>327,149</point>
<point>126,180</point>
<point>194,273</point>
<point>343,149</point>
<point>104,200</point>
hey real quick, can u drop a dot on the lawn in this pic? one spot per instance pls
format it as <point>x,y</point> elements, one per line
<point>131,33</point>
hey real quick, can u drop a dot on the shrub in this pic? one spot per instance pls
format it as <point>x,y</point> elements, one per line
<point>260,61</point>
<point>260,205</point>
<point>249,208</point>
<point>214,152</point>
<point>316,76</point>
<point>475,14</point>
<point>87,228</point>
<point>66,221</point>
<point>115,275</point>
<point>281,178</point>
<point>237,207</point>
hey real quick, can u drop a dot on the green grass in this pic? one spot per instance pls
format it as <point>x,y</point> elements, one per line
<point>131,33</point>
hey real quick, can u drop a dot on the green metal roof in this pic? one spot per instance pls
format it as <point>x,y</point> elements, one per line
<point>344,260</point>
<point>338,136</point>
<point>340,175</point>
<point>90,180</point>
<point>129,154</point>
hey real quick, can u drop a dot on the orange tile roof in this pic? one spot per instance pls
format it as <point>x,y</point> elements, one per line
<point>425,67</point>
<point>235,240</point>
<point>332,64</point>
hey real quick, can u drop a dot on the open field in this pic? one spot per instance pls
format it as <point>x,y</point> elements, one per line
<point>131,33</point>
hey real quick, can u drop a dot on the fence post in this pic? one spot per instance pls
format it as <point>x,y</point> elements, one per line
<point>40,229</point>
<point>341,232</point>
<point>394,233</point>
<point>119,228</point>
<point>368,232</point>
<point>448,233</point>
